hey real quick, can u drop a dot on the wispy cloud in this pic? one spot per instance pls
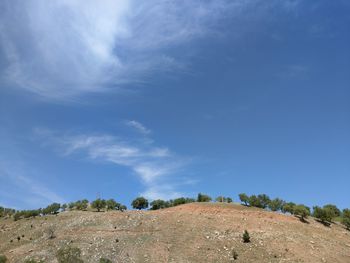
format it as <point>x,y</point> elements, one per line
<point>138,126</point>
<point>62,49</point>
<point>156,167</point>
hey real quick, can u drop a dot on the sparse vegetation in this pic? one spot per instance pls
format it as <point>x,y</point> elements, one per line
<point>325,214</point>
<point>69,254</point>
<point>346,218</point>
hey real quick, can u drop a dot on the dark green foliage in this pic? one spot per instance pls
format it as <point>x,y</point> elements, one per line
<point>69,254</point>
<point>51,209</point>
<point>203,198</point>
<point>111,204</point>
<point>223,199</point>
<point>333,209</point>
<point>3,259</point>
<point>301,211</point>
<point>276,204</point>
<point>288,207</point>
<point>105,260</point>
<point>246,237</point>
<point>254,201</point>
<point>98,204</point>
<point>244,199</point>
<point>82,204</point>
<point>159,204</point>
<point>26,214</point>
<point>325,214</point>
<point>140,203</point>
<point>264,200</point>
<point>346,218</point>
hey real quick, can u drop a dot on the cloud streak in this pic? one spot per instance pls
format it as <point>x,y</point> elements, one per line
<point>156,167</point>
<point>63,49</point>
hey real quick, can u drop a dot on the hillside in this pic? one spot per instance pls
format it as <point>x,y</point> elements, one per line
<point>197,232</point>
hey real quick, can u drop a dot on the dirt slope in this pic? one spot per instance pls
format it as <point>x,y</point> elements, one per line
<point>188,233</point>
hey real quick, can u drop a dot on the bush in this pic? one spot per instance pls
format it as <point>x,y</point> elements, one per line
<point>51,209</point>
<point>244,199</point>
<point>105,260</point>
<point>98,204</point>
<point>333,210</point>
<point>140,203</point>
<point>276,204</point>
<point>246,237</point>
<point>33,261</point>
<point>288,208</point>
<point>3,259</point>
<point>346,218</point>
<point>69,255</point>
<point>158,204</point>
<point>301,211</point>
<point>203,198</point>
<point>325,214</point>
<point>81,204</point>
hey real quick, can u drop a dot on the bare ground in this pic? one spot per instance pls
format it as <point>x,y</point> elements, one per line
<point>198,232</point>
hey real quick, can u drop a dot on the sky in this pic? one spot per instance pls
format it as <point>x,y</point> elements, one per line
<point>117,99</point>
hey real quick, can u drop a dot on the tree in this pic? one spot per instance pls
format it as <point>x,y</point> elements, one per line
<point>229,200</point>
<point>255,201</point>
<point>64,207</point>
<point>158,204</point>
<point>140,203</point>
<point>325,214</point>
<point>333,209</point>
<point>244,199</point>
<point>51,209</point>
<point>203,198</point>
<point>301,211</point>
<point>288,208</point>
<point>98,204</point>
<point>346,218</point>
<point>112,204</point>
<point>276,204</point>
<point>223,199</point>
<point>82,204</point>
<point>264,200</point>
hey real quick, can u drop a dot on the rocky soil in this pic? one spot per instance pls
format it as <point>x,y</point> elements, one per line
<point>198,232</point>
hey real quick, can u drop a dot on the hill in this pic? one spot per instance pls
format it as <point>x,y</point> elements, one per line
<point>196,232</point>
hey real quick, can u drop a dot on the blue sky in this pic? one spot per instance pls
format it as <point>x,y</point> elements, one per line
<point>170,98</point>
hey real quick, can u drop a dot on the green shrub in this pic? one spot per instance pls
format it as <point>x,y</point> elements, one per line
<point>301,211</point>
<point>244,199</point>
<point>158,204</point>
<point>33,261</point>
<point>3,259</point>
<point>276,204</point>
<point>346,218</point>
<point>325,214</point>
<point>203,198</point>
<point>99,204</point>
<point>69,254</point>
<point>246,237</point>
<point>105,260</point>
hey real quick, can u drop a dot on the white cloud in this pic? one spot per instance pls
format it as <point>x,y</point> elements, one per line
<point>63,49</point>
<point>138,126</point>
<point>155,166</point>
